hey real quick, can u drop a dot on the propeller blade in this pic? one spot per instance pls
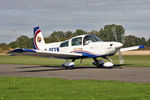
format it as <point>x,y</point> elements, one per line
<point>114,33</point>
<point>123,39</point>
<point>120,57</point>
<point>121,61</point>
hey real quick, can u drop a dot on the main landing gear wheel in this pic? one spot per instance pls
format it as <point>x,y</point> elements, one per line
<point>102,64</point>
<point>69,64</point>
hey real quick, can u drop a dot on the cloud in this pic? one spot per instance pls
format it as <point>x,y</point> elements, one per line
<point>23,15</point>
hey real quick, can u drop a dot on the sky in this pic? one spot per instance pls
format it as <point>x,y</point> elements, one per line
<point>18,17</point>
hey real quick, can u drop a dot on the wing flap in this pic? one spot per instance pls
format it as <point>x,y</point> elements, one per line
<point>29,52</point>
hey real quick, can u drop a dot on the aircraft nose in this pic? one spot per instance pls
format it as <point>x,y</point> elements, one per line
<point>118,45</point>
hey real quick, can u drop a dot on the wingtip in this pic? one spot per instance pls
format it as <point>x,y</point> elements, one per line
<point>141,46</point>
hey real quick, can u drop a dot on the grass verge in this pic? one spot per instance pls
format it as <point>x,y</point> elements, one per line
<point>13,88</point>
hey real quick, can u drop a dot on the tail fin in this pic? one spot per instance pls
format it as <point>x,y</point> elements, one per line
<point>38,39</point>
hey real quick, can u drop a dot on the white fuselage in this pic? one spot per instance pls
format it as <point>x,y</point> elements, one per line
<point>98,48</point>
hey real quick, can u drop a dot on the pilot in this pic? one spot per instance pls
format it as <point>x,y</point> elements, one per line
<point>78,42</point>
<point>87,40</point>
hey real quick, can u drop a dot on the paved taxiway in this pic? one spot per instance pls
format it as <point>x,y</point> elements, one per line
<point>130,74</point>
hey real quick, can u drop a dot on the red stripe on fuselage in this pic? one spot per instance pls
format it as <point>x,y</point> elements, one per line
<point>36,33</point>
<point>85,52</point>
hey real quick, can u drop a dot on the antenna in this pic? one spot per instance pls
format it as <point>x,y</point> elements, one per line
<point>57,38</point>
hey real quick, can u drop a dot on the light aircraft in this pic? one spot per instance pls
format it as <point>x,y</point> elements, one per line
<point>78,47</point>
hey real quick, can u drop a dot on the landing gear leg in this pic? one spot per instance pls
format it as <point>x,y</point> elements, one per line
<point>98,63</point>
<point>73,60</point>
<point>108,59</point>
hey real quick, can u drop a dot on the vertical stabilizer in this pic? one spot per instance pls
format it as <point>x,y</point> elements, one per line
<point>38,39</point>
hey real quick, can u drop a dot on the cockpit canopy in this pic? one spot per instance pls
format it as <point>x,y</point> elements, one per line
<point>81,40</point>
<point>76,41</point>
<point>90,38</point>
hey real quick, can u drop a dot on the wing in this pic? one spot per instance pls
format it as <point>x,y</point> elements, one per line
<point>131,48</point>
<point>29,52</point>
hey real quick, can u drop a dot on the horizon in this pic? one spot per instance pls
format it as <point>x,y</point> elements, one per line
<point>46,34</point>
<point>138,36</point>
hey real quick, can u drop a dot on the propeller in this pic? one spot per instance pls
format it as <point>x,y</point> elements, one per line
<point>114,33</point>
<point>121,61</point>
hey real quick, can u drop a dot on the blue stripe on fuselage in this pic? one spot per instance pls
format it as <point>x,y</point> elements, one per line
<point>89,55</point>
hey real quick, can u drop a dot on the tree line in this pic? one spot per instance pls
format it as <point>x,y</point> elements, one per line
<point>106,34</point>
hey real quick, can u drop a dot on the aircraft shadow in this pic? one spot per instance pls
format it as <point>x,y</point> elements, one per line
<point>49,66</point>
<point>57,68</point>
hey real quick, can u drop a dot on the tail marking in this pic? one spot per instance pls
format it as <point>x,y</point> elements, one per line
<point>36,32</point>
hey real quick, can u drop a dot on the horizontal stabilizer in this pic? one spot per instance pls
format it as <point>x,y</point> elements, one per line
<point>131,48</point>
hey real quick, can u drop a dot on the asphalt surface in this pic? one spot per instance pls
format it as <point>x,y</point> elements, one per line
<point>129,74</point>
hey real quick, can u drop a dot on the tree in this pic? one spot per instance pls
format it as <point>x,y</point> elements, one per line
<point>22,42</point>
<point>56,36</point>
<point>13,44</point>
<point>133,41</point>
<point>94,32</point>
<point>68,34</point>
<point>148,42</point>
<point>4,48</point>
<point>120,31</point>
<point>79,32</point>
<point>106,34</point>
<point>102,34</point>
<point>143,41</point>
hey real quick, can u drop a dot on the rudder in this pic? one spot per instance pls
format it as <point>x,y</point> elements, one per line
<point>38,39</point>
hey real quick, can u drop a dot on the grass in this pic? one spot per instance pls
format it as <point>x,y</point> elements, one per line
<point>13,88</point>
<point>130,61</point>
